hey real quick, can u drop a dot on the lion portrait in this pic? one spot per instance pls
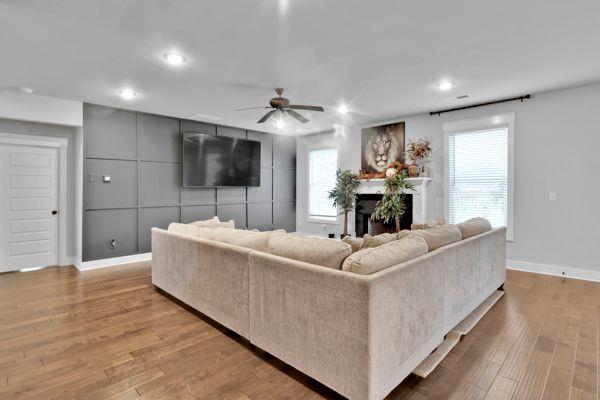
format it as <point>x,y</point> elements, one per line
<point>381,146</point>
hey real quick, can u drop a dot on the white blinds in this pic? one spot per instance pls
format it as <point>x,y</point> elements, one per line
<point>478,176</point>
<point>322,165</point>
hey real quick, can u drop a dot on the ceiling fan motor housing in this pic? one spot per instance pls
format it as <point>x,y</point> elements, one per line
<point>279,102</point>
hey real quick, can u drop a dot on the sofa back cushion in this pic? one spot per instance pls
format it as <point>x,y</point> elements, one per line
<point>214,222</point>
<point>370,260</point>
<point>190,230</point>
<point>428,224</point>
<point>474,226</point>
<point>377,240</point>
<point>239,237</point>
<point>328,253</point>
<point>439,236</point>
<point>354,242</point>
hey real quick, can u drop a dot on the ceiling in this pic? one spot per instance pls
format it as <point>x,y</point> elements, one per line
<point>383,59</point>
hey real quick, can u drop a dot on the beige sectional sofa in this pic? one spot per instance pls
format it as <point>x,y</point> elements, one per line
<point>360,333</point>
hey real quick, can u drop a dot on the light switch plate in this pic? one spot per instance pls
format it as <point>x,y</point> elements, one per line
<point>91,178</point>
<point>106,179</point>
<point>552,196</point>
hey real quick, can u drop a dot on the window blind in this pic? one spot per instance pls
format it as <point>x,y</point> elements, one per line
<point>322,165</point>
<point>478,176</point>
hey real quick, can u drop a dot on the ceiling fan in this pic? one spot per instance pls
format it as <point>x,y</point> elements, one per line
<point>283,105</point>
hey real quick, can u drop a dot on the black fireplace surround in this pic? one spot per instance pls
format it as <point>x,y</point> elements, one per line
<point>365,204</point>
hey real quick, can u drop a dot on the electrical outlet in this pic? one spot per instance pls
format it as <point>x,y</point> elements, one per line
<point>113,243</point>
<point>552,196</point>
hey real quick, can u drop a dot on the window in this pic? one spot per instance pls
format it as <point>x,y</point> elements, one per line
<point>479,170</point>
<point>322,165</point>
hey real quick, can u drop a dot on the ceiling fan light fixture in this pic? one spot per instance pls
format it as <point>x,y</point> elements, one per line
<point>343,109</point>
<point>279,124</point>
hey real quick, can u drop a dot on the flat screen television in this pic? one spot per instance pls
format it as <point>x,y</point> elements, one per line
<point>212,161</point>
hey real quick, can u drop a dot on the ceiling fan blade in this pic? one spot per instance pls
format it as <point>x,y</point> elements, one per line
<point>250,108</point>
<point>298,116</point>
<point>266,116</point>
<point>301,107</point>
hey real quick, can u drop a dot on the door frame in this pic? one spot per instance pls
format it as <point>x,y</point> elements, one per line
<point>62,145</point>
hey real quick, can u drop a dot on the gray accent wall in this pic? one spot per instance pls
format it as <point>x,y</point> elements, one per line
<point>142,155</point>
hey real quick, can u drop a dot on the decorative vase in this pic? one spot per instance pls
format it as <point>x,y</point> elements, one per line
<point>413,170</point>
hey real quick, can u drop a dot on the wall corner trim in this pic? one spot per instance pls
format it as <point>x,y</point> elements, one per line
<point>554,270</point>
<point>111,262</point>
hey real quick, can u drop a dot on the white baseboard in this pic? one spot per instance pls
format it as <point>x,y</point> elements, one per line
<point>111,262</point>
<point>555,270</point>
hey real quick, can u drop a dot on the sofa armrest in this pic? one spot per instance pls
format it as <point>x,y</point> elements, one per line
<point>313,318</point>
<point>210,276</point>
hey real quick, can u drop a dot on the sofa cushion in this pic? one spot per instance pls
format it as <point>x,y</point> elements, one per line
<point>404,233</point>
<point>240,237</point>
<point>474,226</point>
<point>354,242</point>
<point>328,253</point>
<point>377,240</point>
<point>428,225</point>
<point>439,236</point>
<point>190,230</point>
<point>214,222</point>
<point>370,260</point>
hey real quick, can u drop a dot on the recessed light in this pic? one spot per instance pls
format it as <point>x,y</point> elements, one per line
<point>27,90</point>
<point>279,124</point>
<point>445,85</point>
<point>127,94</point>
<point>343,109</point>
<point>174,58</point>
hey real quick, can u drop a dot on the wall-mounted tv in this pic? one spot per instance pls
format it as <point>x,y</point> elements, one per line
<point>211,161</point>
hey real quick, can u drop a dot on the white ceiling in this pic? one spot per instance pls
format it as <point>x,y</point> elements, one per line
<point>382,58</point>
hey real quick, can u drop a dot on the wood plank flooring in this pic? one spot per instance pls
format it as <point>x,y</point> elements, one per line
<point>107,334</point>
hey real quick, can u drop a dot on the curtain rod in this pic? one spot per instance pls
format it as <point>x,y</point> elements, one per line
<point>527,96</point>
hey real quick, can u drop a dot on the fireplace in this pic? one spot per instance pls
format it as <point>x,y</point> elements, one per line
<point>365,204</point>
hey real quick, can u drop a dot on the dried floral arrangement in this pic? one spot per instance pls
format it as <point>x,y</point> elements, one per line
<point>418,149</point>
<point>364,175</point>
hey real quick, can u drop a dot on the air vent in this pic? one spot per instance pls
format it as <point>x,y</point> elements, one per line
<point>464,96</point>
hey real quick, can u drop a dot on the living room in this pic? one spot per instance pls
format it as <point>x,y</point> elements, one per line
<point>282,199</point>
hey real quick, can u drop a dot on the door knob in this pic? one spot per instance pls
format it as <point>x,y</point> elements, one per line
<point>54,212</point>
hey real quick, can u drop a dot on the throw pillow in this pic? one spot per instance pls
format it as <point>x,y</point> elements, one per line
<point>439,236</point>
<point>214,222</point>
<point>354,242</point>
<point>328,253</point>
<point>474,226</point>
<point>370,260</point>
<point>377,240</point>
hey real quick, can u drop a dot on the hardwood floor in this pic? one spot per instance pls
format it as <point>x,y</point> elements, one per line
<point>107,334</point>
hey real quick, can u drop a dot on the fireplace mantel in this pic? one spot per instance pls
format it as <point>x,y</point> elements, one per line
<point>420,212</point>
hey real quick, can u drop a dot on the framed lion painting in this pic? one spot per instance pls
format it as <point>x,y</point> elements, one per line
<point>381,146</point>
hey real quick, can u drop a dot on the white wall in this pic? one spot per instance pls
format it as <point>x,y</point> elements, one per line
<point>44,109</point>
<point>47,116</point>
<point>557,140</point>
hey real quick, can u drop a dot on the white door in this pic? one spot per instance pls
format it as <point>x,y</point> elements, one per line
<point>28,207</point>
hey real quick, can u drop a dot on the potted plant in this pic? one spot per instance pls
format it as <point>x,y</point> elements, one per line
<point>391,207</point>
<point>344,193</point>
<point>418,151</point>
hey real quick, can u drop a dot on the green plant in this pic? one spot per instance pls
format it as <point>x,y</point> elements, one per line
<point>344,193</point>
<point>391,207</point>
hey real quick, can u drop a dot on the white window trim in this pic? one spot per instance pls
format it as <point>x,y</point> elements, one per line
<point>484,123</point>
<point>330,221</point>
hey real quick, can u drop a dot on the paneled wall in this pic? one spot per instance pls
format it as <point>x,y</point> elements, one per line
<point>142,155</point>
